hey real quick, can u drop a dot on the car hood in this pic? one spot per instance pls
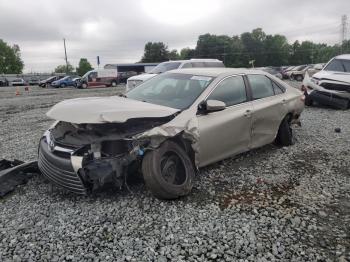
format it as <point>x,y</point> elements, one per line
<point>115,109</point>
<point>142,77</point>
<point>337,76</point>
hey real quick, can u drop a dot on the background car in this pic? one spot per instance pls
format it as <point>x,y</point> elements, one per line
<point>297,73</point>
<point>171,65</point>
<point>3,81</point>
<point>76,81</point>
<point>18,82</point>
<point>47,82</point>
<point>285,71</point>
<point>33,81</point>
<point>64,82</point>
<point>331,85</point>
<point>314,69</point>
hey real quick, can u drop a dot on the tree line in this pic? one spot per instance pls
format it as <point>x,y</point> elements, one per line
<point>240,50</point>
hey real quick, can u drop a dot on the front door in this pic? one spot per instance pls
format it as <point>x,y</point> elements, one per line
<point>227,132</point>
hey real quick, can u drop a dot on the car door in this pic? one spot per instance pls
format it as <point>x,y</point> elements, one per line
<point>227,132</point>
<point>92,79</point>
<point>269,108</point>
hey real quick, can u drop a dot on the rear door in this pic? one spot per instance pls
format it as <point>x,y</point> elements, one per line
<point>227,132</point>
<point>269,108</point>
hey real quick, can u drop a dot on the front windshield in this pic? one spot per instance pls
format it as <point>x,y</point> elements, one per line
<point>164,67</point>
<point>85,76</point>
<point>338,65</point>
<point>172,90</point>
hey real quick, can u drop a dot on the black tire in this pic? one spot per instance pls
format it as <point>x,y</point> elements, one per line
<point>63,85</point>
<point>298,78</point>
<point>114,83</point>
<point>308,101</point>
<point>159,174</point>
<point>285,133</point>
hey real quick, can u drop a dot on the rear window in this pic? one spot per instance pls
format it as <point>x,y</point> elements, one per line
<point>261,86</point>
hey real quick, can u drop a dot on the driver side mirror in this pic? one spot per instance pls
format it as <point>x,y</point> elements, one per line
<point>212,106</point>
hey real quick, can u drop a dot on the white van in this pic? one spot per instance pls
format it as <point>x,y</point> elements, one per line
<point>171,65</point>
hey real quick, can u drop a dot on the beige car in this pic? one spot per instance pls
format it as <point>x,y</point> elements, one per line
<point>167,127</point>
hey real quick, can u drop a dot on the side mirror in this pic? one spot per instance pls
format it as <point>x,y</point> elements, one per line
<point>214,105</point>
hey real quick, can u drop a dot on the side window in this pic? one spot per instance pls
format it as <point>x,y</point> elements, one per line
<point>197,64</point>
<point>214,64</point>
<point>261,86</point>
<point>186,65</point>
<point>231,91</point>
<point>277,89</point>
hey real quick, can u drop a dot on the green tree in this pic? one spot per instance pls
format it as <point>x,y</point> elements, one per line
<point>187,53</point>
<point>63,69</point>
<point>277,50</point>
<point>155,52</point>
<point>173,55</point>
<point>10,59</point>
<point>84,66</point>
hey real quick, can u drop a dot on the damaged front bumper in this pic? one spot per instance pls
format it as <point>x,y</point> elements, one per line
<point>82,170</point>
<point>326,96</point>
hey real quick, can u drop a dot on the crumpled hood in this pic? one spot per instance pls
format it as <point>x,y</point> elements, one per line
<point>115,109</point>
<point>337,76</point>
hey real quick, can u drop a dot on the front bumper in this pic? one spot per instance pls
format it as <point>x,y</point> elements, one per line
<point>77,170</point>
<point>57,167</point>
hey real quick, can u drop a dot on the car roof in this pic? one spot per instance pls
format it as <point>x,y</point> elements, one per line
<point>192,60</point>
<point>344,56</point>
<point>216,71</point>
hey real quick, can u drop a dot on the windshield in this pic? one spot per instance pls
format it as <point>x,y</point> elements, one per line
<point>338,65</point>
<point>85,76</point>
<point>172,90</point>
<point>164,67</point>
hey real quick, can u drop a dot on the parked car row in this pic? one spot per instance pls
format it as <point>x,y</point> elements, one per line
<point>298,72</point>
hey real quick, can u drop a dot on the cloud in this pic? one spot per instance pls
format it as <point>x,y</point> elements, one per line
<point>117,30</point>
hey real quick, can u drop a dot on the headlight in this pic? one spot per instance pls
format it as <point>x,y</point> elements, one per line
<point>314,80</point>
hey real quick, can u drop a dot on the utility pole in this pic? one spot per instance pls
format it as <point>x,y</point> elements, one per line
<point>344,30</point>
<point>65,54</point>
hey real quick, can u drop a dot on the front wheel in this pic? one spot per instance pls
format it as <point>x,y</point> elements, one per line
<point>285,133</point>
<point>84,85</point>
<point>168,171</point>
<point>62,85</point>
<point>114,83</point>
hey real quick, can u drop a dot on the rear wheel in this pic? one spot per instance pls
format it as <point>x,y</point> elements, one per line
<point>84,85</point>
<point>168,171</point>
<point>299,77</point>
<point>285,133</point>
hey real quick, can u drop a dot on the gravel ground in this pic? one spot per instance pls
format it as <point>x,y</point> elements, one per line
<point>288,204</point>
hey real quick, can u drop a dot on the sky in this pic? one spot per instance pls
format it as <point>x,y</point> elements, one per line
<point>117,30</point>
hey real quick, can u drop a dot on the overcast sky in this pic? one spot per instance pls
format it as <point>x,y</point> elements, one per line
<point>117,30</point>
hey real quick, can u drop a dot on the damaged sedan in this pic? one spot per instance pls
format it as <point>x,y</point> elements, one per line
<point>330,86</point>
<point>166,128</point>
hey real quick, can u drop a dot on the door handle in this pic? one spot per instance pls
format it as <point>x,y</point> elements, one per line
<point>248,113</point>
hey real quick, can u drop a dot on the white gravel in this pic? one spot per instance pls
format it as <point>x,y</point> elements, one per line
<point>289,204</point>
